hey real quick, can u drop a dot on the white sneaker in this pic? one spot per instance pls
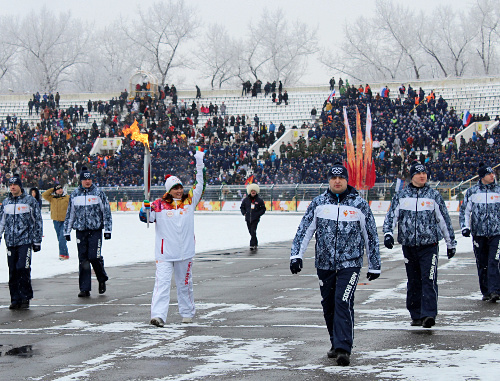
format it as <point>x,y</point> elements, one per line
<point>187,320</point>
<point>157,321</point>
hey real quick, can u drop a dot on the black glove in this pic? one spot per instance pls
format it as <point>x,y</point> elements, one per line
<point>372,276</point>
<point>466,232</point>
<point>36,247</point>
<point>68,237</point>
<point>389,241</point>
<point>107,235</point>
<point>451,253</point>
<point>295,265</point>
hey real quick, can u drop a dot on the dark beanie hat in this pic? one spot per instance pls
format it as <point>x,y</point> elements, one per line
<point>58,186</point>
<point>85,174</point>
<point>416,167</point>
<point>484,170</point>
<point>338,170</point>
<point>16,179</point>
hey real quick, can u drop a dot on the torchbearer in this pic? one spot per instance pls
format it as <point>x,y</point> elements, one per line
<point>174,243</point>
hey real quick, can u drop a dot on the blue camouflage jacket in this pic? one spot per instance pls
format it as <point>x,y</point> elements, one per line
<point>421,216</point>
<point>88,209</point>
<point>480,211</point>
<point>21,220</point>
<point>343,230</point>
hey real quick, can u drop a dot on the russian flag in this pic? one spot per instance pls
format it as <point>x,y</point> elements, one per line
<point>332,95</point>
<point>467,118</point>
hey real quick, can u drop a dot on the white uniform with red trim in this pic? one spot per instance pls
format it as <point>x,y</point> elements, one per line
<point>175,248</point>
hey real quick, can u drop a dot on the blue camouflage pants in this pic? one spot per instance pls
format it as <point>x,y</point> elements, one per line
<point>337,292</point>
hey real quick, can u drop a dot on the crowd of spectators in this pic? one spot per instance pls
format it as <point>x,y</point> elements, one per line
<point>411,126</point>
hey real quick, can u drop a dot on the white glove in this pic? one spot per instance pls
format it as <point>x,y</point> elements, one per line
<point>199,157</point>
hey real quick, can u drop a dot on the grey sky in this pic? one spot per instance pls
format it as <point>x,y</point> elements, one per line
<point>328,15</point>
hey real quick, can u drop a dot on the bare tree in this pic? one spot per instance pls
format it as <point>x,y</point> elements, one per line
<point>7,51</point>
<point>395,20</point>
<point>50,45</point>
<point>216,54</point>
<point>486,15</point>
<point>365,53</point>
<point>108,65</point>
<point>446,36</point>
<point>160,32</point>
<point>278,48</point>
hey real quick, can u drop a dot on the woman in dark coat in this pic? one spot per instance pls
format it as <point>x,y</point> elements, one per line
<point>253,207</point>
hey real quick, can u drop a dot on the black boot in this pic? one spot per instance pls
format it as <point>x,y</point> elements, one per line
<point>102,287</point>
<point>428,322</point>
<point>84,294</point>
<point>343,357</point>
<point>416,323</point>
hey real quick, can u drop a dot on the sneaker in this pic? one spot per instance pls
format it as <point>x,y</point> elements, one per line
<point>157,322</point>
<point>102,287</point>
<point>84,294</point>
<point>416,323</point>
<point>486,298</point>
<point>14,306</point>
<point>343,358</point>
<point>63,257</point>
<point>428,322</point>
<point>252,248</point>
<point>331,353</point>
<point>25,305</point>
<point>494,297</point>
<point>187,320</point>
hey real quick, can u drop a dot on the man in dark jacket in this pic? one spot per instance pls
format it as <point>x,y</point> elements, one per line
<point>21,220</point>
<point>423,220</point>
<point>344,227</point>
<point>252,207</point>
<point>480,215</point>
<point>88,213</point>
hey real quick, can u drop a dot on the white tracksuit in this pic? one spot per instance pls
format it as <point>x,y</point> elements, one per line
<point>175,248</point>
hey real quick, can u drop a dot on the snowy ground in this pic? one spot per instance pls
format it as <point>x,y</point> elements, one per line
<point>279,332</point>
<point>132,242</point>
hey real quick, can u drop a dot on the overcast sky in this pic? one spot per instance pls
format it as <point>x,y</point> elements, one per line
<point>329,16</point>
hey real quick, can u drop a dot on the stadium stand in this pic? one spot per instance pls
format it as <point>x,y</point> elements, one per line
<point>53,150</point>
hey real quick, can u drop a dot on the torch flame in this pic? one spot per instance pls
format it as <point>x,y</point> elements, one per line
<point>136,134</point>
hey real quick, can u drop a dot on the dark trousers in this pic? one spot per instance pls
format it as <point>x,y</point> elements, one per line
<point>89,253</point>
<point>337,292</point>
<point>487,252</point>
<point>252,229</point>
<point>19,261</point>
<point>422,289</point>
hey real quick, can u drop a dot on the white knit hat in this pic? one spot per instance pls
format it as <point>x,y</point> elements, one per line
<point>171,181</point>
<point>252,187</point>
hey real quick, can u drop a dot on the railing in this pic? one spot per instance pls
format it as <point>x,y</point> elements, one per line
<point>282,192</point>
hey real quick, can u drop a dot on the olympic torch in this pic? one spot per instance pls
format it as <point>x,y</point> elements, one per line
<point>135,134</point>
<point>147,176</point>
